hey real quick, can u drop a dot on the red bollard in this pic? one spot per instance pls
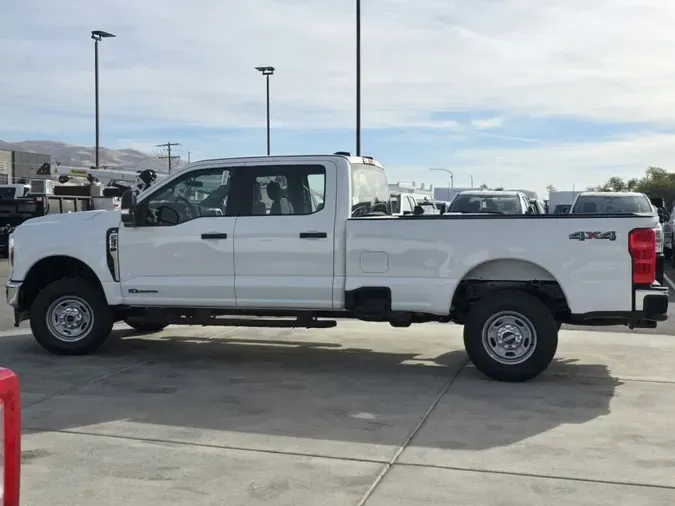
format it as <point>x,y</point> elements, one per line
<point>10,438</point>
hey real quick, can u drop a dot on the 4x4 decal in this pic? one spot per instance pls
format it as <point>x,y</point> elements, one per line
<point>583,236</point>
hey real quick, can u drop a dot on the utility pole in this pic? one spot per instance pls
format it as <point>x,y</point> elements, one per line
<point>98,36</point>
<point>168,156</point>
<point>267,72</point>
<point>358,77</point>
<point>189,152</point>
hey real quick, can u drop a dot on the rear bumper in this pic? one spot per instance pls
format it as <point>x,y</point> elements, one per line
<point>660,263</point>
<point>650,307</point>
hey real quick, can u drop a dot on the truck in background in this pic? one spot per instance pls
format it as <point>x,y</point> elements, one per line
<point>560,202</point>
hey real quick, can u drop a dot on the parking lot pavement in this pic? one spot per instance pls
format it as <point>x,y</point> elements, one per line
<point>359,414</point>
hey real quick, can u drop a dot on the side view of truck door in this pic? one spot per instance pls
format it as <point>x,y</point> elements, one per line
<point>284,235</point>
<point>180,250</point>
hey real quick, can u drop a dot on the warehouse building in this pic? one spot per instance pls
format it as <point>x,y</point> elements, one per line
<point>16,166</point>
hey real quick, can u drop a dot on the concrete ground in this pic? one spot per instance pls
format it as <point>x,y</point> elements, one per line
<point>359,414</point>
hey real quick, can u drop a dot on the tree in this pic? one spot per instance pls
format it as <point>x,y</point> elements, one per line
<point>499,188</point>
<point>550,189</point>
<point>656,180</point>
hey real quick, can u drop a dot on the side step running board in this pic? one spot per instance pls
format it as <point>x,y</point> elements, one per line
<point>255,322</point>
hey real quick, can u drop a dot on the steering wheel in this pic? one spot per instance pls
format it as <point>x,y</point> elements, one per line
<point>194,212</point>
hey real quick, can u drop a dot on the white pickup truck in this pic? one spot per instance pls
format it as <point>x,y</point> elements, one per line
<point>298,241</point>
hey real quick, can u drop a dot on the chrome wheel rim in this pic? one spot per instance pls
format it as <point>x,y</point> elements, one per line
<point>509,338</point>
<point>70,318</point>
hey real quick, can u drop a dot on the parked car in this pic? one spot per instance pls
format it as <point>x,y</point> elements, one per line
<point>216,257</point>
<point>402,203</point>
<point>496,202</point>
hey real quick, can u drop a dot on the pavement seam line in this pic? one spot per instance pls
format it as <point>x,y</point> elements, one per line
<point>205,445</point>
<point>73,388</point>
<point>536,475</point>
<point>393,460</point>
<point>349,459</point>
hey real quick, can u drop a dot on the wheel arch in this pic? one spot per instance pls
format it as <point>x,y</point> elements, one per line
<point>52,268</point>
<point>510,274</point>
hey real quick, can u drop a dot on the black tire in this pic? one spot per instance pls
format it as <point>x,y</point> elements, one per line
<point>144,325</point>
<point>527,314</point>
<point>90,298</point>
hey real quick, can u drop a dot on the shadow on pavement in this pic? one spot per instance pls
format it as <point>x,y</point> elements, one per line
<point>259,393</point>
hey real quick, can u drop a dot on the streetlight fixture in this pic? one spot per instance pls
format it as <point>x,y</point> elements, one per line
<point>98,36</point>
<point>452,177</point>
<point>267,72</point>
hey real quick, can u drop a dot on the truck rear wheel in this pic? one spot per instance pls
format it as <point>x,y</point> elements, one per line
<point>70,317</point>
<point>510,336</point>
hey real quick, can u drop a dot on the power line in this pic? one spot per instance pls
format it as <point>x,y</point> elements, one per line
<point>168,152</point>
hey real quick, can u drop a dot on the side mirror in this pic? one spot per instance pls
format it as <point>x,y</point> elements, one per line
<point>662,219</point>
<point>128,200</point>
<point>128,208</point>
<point>419,210</point>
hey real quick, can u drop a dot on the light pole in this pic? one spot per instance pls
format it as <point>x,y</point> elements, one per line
<point>471,176</point>
<point>358,77</point>
<point>452,177</point>
<point>98,36</point>
<point>267,72</point>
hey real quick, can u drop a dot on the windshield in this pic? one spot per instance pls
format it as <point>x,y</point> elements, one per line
<point>507,204</point>
<point>369,187</point>
<point>612,204</point>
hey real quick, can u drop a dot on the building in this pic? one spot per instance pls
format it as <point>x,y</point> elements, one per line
<point>19,165</point>
<point>411,187</point>
<point>5,166</point>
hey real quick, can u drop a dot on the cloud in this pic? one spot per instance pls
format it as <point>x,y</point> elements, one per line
<point>177,65</point>
<point>487,123</point>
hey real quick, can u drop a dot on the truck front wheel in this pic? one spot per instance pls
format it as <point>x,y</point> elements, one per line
<point>510,336</point>
<point>71,317</point>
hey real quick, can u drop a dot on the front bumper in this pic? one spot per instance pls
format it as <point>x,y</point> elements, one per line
<point>12,292</point>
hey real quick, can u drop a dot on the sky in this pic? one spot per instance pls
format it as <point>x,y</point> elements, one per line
<point>514,93</point>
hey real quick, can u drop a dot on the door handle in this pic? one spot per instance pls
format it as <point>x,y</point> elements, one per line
<point>214,236</point>
<point>313,235</point>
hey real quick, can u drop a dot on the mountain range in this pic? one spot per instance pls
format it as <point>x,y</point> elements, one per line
<point>83,156</point>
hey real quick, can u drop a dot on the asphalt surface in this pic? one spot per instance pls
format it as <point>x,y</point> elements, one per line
<point>359,414</point>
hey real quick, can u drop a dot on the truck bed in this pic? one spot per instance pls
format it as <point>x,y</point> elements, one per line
<point>424,258</point>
